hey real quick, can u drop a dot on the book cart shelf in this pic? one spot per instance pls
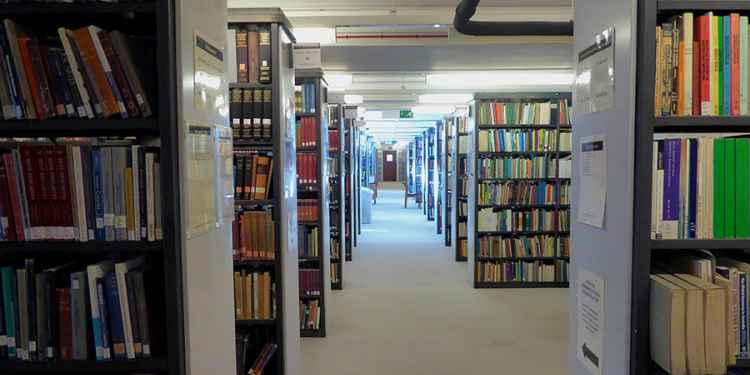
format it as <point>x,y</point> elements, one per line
<point>282,329</point>
<point>338,156</point>
<point>514,264</point>
<point>154,22</point>
<point>318,190</point>
<point>649,127</point>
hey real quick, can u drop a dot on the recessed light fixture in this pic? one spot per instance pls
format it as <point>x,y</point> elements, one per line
<point>353,99</point>
<point>437,26</point>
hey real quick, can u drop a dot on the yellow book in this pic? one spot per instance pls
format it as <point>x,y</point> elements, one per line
<point>129,204</point>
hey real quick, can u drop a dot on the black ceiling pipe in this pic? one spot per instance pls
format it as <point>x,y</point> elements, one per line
<point>466,8</point>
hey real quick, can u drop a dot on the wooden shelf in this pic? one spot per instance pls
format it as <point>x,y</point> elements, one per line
<point>85,366</point>
<point>77,8</point>
<point>37,248</point>
<point>520,284</point>
<point>79,127</point>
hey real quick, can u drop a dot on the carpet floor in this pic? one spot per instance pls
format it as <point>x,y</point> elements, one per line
<point>408,308</point>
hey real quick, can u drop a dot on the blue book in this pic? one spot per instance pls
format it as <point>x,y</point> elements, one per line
<point>14,84</point>
<point>693,187</point>
<point>743,312</point>
<point>9,304</point>
<point>96,163</point>
<point>104,316</point>
<point>671,209</point>
<point>726,104</point>
<point>115,316</point>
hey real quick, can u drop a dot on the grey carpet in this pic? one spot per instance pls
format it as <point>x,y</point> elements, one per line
<point>407,308</point>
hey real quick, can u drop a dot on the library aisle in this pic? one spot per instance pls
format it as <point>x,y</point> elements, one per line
<point>408,308</point>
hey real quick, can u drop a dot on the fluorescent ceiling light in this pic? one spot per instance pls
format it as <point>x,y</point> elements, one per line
<point>433,109</point>
<point>501,78</point>
<point>353,99</point>
<point>338,82</point>
<point>373,115</point>
<point>322,35</point>
<point>444,98</point>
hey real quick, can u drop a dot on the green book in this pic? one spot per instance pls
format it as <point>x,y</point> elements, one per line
<point>730,203</point>
<point>720,63</point>
<point>742,190</point>
<point>8,274</point>
<point>719,188</point>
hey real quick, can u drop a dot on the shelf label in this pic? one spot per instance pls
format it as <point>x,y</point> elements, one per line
<point>593,177</point>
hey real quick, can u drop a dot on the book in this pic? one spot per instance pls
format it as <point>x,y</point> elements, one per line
<point>667,325</point>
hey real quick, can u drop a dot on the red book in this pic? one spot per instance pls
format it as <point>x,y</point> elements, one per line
<point>15,196</point>
<point>44,203</point>
<point>65,202</point>
<point>705,65</point>
<point>65,328</point>
<point>31,185</point>
<point>53,195</point>
<point>7,209</point>
<point>34,86</point>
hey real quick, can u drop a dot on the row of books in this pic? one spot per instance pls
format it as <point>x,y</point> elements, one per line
<point>69,312</point>
<point>461,245</point>
<point>254,295</point>
<point>250,60</point>
<point>305,96</point>
<point>307,169</point>
<point>309,315</point>
<point>253,235</point>
<point>251,114</point>
<point>307,132</point>
<point>512,220</point>
<point>699,320</point>
<point>524,167</point>
<point>82,192</point>
<point>253,174</point>
<point>93,74</point>
<point>516,140</point>
<point>523,113</point>
<point>335,274</point>
<point>524,246</point>
<point>522,271</point>
<point>260,362</point>
<point>333,140</point>
<point>308,241</point>
<point>702,65</point>
<point>307,210</point>
<point>335,248</point>
<point>518,193</point>
<point>701,188</point>
<point>309,282</point>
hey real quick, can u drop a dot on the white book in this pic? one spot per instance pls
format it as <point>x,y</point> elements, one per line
<point>546,113</point>
<point>687,25</point>
<point>85,109</point>
<point>660,202</point>
<point>121,269</point>
<point>157,202</point>
<point>487,220</point>
<point>94,272</point>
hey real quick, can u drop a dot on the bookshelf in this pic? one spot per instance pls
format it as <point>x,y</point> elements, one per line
<point>282,327</point>
<point>439,176</point>
<point>419,168</point>
<point>459,199</point>
<point>411,183</point>
<point>163,256</point>
<point>504,136</point>
<point>350,116</point>
<point>337,155</point>
<point>448,179</point>
<point>647,250</point>
<point>312,187</point>
<point>430,158</point>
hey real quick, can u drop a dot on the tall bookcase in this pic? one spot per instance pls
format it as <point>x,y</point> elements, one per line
<point>429,175</point>
<point>312,305</point>
<point>518,136</point>
<point>439,176</point>
<point>350,116</point>
<point>337,175</point>
<point>419,168</point>
<point>460,197</point>
<point>411,183</point>
<point>282,329</point>
<point>448,173</point>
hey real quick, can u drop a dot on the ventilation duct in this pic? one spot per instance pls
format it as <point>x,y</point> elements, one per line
<point>467,8</point>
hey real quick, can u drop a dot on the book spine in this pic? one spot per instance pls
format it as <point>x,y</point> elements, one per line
<point>116,322</point>
<point>118,75</point>
<point>735,63</point>
<point>743,66</point>
<point>96,160</point>
<point>65,329</point>
<point>109,212</point>
<point>120,45</point>
<point>142,194</point>
<point>242,63</point>
<point>692,188</point>
<point>726,28</point>
<point>671,212</point>
<point>109,79</point>
<point>96,72</point>
<point>743,313</point>
<point>18,64</point>
<point>104,316</point>
<point>78,83</point>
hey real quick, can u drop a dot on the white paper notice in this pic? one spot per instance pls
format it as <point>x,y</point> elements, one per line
<point>209,74</point>
<point>590,320</point>
<point>201,198</point>
<point>595,75</point>
<point>593,177</point>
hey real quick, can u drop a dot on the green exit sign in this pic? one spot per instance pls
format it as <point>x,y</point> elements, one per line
<point>406,113</point>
